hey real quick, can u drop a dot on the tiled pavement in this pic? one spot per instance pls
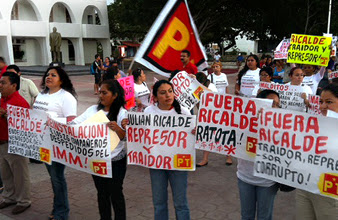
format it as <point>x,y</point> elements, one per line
<point>212,190</point>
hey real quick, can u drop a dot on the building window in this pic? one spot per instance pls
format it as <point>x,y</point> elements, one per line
<point>15,12</point>
<point>71,51</point>
<point>68,18</point>
<point>90,19</point>
<point>19,48</point>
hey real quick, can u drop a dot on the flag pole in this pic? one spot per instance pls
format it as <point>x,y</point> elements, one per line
<point>329,18</point>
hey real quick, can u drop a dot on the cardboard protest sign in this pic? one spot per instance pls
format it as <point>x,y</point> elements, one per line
<point>187,90</point>
<point>161,141</point>
<point>27,133</point>
<point>299,150</point>
<point>227,125</point>
<point>173,31</point>
<point>127,84</point>
<point>332,114</point>
<point>308,49</point>
<point>333,75</point>
<point>281,51</point>
<point>313,109</point>
<point>82,147</point>
<point>289,95</point>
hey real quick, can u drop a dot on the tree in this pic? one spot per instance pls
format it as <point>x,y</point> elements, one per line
<point>224,20</point>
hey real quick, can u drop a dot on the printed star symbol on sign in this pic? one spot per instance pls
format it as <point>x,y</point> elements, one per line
<point>230,150</point>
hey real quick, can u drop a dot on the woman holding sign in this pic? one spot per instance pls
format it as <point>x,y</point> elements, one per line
<point>248,78</point>
<point>163,92</point>
<point>256,194</point>
<point>142,93</point>
<point>58,99</point>
<point>312,78</point>
<point>297,76</point>
<point>314,206</point>
<point>109,190</point>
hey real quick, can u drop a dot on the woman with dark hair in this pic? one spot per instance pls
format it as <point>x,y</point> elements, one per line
<point>297,75</point>
<point>313,75</point>
<point>278,73</point>
<point>266,74</point>
<point>110,190</point>
<point>268,62</point>
<point>166,104</point>
<point>141,90</point>
<point>248,78</point>
<point>58,99</point>
<point>310,205</point>
<point>112,72</point>
<point>106,64</point>
<point>256,194</point>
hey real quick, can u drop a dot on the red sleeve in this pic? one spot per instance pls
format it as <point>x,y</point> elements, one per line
<point>195,69</point>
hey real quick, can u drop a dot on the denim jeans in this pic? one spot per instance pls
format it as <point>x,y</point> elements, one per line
<point>252,196</point>
<point>159,186</point>
<point>110,192</point>
<point>59,185</point>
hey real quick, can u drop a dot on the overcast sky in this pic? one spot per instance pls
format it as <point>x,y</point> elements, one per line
<point>109,1</point>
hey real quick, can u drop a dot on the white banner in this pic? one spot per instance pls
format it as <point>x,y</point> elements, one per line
<point>228,124</point>
<point>84,147</point>
<point>27,133</point>
<point>290,96</point>
<point>281,51</point>
<point>299,150</point>
<point>161,141</point>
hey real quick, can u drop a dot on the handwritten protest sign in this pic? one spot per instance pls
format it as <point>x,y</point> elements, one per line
<point>161,141</point>
<point>186,89</point>
<point>299,150</point>
<point>228,125</point>
<point>27,132</point>
<point>313,109</point>
<point>100,117</point>
<point>281,51</point>
<point>308,49</point>
<point>333,75</point>
<point>83,147</point>
<point>127,84</point>
<point>290,96</point>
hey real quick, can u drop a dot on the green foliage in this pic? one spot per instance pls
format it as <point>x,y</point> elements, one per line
<point>223,20</point>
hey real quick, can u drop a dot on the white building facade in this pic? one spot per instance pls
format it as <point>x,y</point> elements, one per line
<point>25,26</point>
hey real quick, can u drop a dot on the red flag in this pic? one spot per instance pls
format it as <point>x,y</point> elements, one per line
<point>173,31</point>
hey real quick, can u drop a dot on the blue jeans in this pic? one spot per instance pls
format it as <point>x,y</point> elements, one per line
<point>59,185</point>
<point>252,196</point>
<point>159,186</point>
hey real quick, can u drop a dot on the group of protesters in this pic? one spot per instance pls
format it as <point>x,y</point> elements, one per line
<point>59,99</point>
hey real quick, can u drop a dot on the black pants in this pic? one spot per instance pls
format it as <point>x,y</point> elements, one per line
<point>110,191</point>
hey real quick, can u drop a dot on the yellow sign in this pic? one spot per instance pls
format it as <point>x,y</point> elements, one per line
<point>308,49</point>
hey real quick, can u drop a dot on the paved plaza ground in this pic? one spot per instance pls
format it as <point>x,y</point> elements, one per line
<point>212,190</point>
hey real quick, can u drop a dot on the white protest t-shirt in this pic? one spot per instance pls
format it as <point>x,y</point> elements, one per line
<point>212,87</point>
<point>92,110</point>
<point>142,92</point>
<point>250,83</point>
<point>221,82</point>
<point>153,109</point>
<point>245,172</point>
<point>313,81</point>
<point>60,104</point>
